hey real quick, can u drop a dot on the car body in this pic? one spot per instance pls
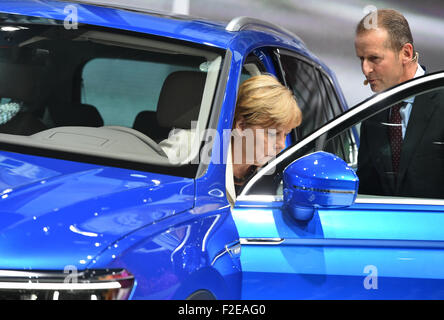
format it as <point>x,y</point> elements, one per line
<point>93,209</point>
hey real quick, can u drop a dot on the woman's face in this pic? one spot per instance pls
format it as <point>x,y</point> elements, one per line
<point>269,142</point>
<point>260,145</point>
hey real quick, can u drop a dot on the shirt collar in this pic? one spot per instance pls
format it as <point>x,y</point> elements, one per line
<point>419,72</point>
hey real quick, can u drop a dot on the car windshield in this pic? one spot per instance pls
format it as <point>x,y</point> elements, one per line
<point>101,92</point>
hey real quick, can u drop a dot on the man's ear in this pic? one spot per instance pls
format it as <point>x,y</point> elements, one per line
<point>406,54</point>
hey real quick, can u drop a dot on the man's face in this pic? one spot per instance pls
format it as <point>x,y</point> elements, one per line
<point>380,64</point>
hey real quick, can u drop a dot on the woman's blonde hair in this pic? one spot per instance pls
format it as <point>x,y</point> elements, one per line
<point>264,101</point>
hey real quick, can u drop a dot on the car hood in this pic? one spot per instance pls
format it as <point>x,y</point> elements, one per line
<point>55,213</point>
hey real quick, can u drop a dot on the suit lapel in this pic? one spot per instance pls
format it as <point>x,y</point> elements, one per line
<point>422,111</point>
<point>379,147</point>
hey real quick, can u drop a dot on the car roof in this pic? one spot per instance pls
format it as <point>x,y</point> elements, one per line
<point>140,18</point>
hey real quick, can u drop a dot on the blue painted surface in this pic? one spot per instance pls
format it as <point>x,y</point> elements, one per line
<point>195,31</point>
<point>95,217</point>
<point>320,179</point>
<point>327,257</point>
<point>72,211</point>
<point>171,233</point>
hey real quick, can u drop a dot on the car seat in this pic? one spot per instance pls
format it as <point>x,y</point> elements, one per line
<point>146,122</point>
<point>74,114</point>
<point>179,104</point>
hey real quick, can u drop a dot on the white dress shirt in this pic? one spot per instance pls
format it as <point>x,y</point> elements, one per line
<point>406,110</point>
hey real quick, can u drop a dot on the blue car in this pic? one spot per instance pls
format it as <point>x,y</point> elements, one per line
<point>92,207</point>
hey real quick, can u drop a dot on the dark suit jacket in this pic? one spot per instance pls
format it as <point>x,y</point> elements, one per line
<point>421,170</point>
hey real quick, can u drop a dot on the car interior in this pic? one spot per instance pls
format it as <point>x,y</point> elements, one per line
<point>99,92</point>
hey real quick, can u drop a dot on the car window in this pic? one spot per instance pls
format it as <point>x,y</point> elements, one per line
<point>345,146</point>
<point>122,88</point>
<point>312,91</point>
<point>421,166</point>
<point>331,96</point>
<point>413,166</point>
<point>105,94</point>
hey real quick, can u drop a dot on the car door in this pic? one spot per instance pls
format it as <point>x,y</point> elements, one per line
<point>380,247</point>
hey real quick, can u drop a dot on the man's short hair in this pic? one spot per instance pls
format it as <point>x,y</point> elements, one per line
<point>394,23</point>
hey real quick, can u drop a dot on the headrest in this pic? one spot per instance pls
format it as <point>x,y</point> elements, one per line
<point>26,83</point>
<point>75,114</point>
<point>180,99</point>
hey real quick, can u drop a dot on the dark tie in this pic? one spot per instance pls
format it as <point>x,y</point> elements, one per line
<point>395,133</point>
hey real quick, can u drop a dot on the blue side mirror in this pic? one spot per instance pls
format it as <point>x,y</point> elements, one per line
<point>318,180</point>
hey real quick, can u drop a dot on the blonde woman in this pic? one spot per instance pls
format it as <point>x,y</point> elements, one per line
<point>265,114</point>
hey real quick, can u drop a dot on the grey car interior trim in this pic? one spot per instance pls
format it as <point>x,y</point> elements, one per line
<point>139,135</point>
<point>101,142</point>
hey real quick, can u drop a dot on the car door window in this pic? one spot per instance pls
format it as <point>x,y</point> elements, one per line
<point>421,169</point>
<point>422,149</point>
<point>344,145</point>
<point>330,95</point>
<point>421,163</point>
<point>312,90</point>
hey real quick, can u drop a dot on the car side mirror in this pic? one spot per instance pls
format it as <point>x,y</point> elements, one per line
<point>318,180</point>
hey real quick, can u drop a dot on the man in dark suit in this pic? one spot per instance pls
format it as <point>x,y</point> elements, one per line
<point>402,149</point>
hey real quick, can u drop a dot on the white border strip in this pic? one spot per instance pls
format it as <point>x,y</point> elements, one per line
<point>399,200</point>
<point>59,286</point>
<point>360,199</point>
<point>260,198</point>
